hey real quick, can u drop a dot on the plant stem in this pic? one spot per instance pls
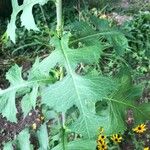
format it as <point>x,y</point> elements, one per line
<point>64,135</point>
<point>59,27</point>
<point>59,30</point>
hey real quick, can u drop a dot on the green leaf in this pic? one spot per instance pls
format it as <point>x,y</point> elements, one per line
<point>26,104</point>
<point>85,33</point>
<point>142,114</point>
<point>74,89</point>
<point>43,137</point>
<point>91,55</point>
<point>119,43</point>
<point>116,38</point>
<point>115,113</point>
<point>24,140</point>
<point>19,87</point>
<point>8,106</point>
<point>8,146</point>
<point>27,19</point>
<point>78,145</point>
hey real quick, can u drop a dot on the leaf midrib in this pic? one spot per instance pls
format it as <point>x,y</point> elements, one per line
<point>93,35</point>
<point>129,105</point>
<point>74,83</point>
<point>24,84</point>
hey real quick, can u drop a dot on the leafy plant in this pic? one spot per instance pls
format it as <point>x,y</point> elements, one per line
<point>135,6</point>
<point>137,30</point>
<point>59,83</point>
<point>26,9</point>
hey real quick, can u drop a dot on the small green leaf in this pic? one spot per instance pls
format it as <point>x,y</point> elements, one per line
<point>43,137</point>
<point>29,100</point>
<point>8,146</point>
<point>24,140</point>
<point>26,104</point>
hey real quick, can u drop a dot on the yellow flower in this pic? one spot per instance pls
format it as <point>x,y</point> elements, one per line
<point>34,126</point>
<point>42,118</point>
<point>146,148</point>
<point>102,146</point>
<point>101,138</point>
<point>140,128</point>
<point>116,138</point>
<point>103,16</point>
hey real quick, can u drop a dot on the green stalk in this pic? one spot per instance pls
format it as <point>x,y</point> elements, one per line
<point>59,30</point>
<point>59,27</point>
<point>63,132</point>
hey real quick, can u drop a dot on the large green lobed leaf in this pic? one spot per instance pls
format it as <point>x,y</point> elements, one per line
<point>26,17</point>
<point>20,87</point>
<point>120,102</point>
<point>74,89</point>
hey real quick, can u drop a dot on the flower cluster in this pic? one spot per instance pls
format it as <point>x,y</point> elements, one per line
<point>101,141</point>
<point>39,120</point>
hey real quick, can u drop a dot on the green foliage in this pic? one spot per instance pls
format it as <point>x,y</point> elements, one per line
<point>24,139</point>
<point>28,22</point>
<point>19,87</point>
<point>138,5</point>
<point>8,146</point>
<point>138,33</point>
<point>66,89</point>
<point>61,98</point>
<point>101,29</point>
<point>121,101</point>
<point>78,145</point>
<point>43,137</point>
